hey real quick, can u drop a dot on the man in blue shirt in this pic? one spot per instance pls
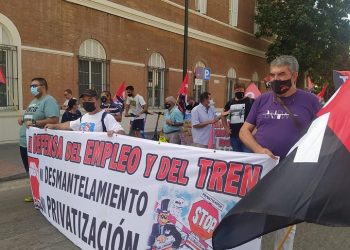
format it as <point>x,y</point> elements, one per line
<point>173,121</point>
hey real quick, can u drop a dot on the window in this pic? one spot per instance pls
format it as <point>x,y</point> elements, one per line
<point>201,6</point>
<point>231,81</point>
<point>199,85</point>
<point>233,9</point>
<point>9,67</point>
<point>156,79</point>
<point>92,66</point>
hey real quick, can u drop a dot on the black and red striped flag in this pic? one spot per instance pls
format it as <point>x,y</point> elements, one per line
<point>311,184</point>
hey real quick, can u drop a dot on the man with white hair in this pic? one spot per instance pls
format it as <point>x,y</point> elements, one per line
<point>173,121</point>
<point>280,118</point>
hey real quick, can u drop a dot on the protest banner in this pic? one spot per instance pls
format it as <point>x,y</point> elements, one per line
<point>129,193</point>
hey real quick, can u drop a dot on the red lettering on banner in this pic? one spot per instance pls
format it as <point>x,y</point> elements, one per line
<point>73,152</point>
<point>48,145</point>
<point>232,178</point>
<point>134,160</point>
<point>150,160</point>
<point>229,178</point>
<point>112,164</point>
<point>220,133</point>
<point>223,142</point>
<point>172,170</point>
<point>203,164</point>
<point>216,179</point>
<point>107,153</point>
<point>30,144</point>
<point>250,178</point>
<point>89,149</point>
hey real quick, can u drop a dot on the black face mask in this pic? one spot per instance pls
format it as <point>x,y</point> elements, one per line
<point>280,87</point>
<point>239,95</point>
<point>167,106</point>
<point>103,99</point>
<point>130,95</point>
<point>89,106</point>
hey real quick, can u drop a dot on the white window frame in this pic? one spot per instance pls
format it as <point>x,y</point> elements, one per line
<point>11,70</point>
<point>92,51</point>
<point>156,67</point>
<point>231,81</point>
<point>233,13</point>
<point>201,6</point>
<point>256,26</point>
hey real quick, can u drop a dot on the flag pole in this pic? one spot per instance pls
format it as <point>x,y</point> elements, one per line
<point>184,68</point>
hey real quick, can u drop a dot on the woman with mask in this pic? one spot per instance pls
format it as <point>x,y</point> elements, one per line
<point>111,107</point>
<point>72,112</point>
<point>239,108</point>
<point>42,110</point>
<point>95,120</point>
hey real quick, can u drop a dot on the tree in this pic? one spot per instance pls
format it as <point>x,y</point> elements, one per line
<point>316,32</point>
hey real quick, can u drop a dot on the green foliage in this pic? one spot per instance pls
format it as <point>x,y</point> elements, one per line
<point>317,33</point>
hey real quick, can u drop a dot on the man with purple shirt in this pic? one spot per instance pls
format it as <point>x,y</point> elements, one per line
<point>280,119</point>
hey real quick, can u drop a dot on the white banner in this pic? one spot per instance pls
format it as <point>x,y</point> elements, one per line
<point>129,193</point>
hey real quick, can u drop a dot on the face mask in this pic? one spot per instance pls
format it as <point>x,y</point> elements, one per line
<point>103,99</point>
<point>89,106</point>
<point>280,87</point>
<point>130,95</point>
<point>167,106</point>
<point>239,95</point>
<point>34,91</point>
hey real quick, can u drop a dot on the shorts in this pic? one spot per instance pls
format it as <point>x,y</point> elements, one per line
<point>138,125</point>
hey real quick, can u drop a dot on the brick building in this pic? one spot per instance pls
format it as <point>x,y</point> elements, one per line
<point>98,43</point>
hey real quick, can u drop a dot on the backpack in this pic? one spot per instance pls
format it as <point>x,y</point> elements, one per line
<point>102,121</point>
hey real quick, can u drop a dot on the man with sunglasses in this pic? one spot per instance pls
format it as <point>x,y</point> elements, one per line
<point>42,110</point>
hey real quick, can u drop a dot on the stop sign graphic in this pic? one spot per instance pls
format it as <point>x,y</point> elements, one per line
<point>203,219</point>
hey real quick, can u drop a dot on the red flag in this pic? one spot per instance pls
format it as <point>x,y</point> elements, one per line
<point>323,91</point>
<point>310,85</point>
<point>184,87</point>
<point>252,91</point>
<point>182,94</point>
<point>2,77</point>
<point>121,89</point>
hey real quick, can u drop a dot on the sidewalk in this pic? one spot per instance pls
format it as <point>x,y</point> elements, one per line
<point>10,162</point>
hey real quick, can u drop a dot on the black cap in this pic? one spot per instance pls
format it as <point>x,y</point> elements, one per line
<point>72,102</point>
<point>89,92</point>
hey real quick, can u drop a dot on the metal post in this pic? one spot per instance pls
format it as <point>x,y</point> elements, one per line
<point>184,68</point>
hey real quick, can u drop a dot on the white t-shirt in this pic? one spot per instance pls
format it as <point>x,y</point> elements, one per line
<point>92,123</point>
<point>136,104</point>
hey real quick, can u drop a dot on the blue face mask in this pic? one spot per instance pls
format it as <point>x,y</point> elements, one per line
<point>34,90</point>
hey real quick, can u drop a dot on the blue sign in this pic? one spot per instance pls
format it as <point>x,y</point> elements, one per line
<point>206,74</point>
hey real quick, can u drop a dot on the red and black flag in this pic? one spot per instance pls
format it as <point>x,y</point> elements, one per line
<point>339,77</point>
<point>311,184</point>
<point>182,95</point>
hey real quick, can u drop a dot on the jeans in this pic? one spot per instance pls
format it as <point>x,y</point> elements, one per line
<point>238,146</point>
<point>24,156</point>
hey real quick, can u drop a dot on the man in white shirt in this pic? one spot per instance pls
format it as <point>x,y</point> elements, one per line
<point>95,120</point>
<point>138,107</point>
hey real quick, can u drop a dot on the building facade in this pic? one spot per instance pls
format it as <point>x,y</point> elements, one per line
<point>80,44</point>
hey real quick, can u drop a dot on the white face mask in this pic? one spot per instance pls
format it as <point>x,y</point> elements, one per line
<point>211,103</point>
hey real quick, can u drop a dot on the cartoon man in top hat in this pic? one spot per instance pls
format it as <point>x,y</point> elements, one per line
<point>164,235</point>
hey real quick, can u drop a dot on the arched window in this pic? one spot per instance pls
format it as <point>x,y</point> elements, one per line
<point>199,85</point>
<point>8,70</point>
<point>155,86</point>
<point>92,66</point>
<point>231,81</point>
